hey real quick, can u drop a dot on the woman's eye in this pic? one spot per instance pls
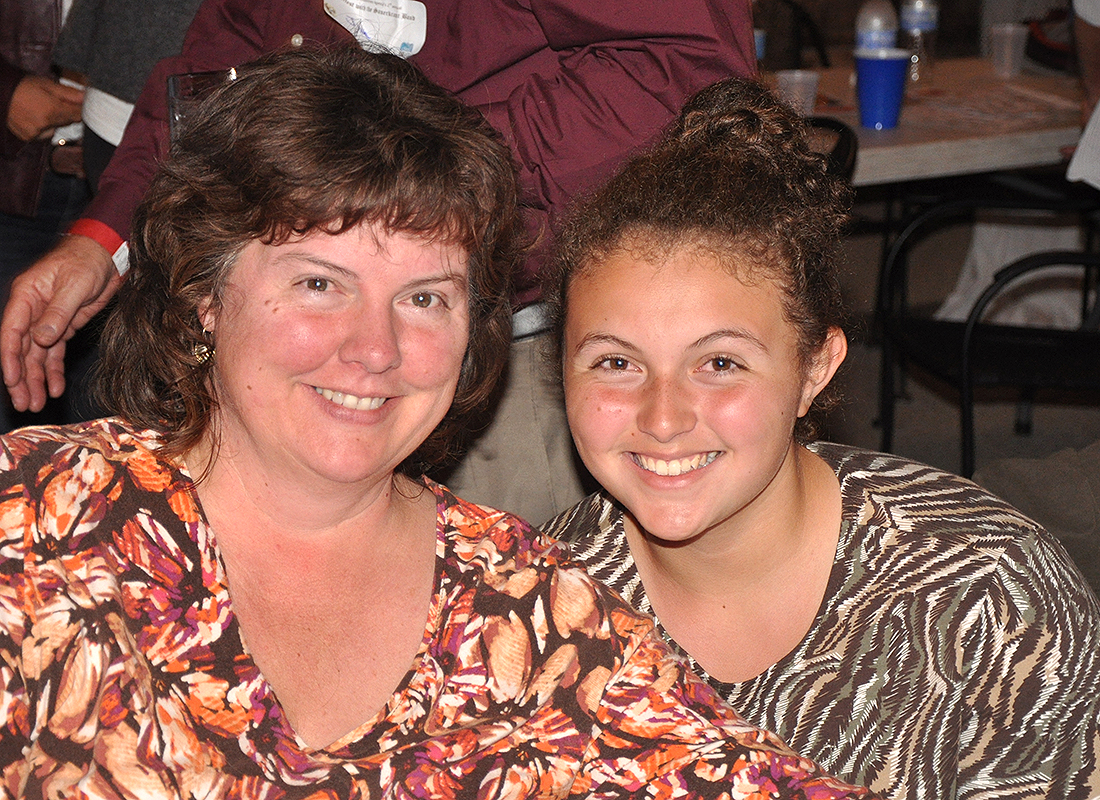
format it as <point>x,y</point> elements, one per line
<point>424,299</point>
<point>317,284</point>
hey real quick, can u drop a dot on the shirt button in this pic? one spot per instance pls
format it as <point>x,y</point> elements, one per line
<point>296,40</point>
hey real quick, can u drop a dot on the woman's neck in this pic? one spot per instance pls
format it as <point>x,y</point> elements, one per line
<point>294,503</point>
<point>331,594</point>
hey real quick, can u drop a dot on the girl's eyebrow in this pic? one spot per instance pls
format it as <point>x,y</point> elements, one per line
<point>730,333</point>
<point>595,339</point>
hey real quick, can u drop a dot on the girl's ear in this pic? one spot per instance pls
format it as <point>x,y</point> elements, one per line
<point>824,367</point>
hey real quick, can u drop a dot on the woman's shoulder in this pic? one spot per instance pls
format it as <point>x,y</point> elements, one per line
<point>491,537</point>
<point>594,532</point>
<point>499,552</point>
<point>62,480</point>
<point>85,456</point>
<point>110,437</point>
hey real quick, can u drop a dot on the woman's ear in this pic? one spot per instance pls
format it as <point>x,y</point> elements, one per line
<point>823,368</point>
<point>208,317</point>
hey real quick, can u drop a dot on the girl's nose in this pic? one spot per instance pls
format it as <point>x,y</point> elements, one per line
<point>666,410</point>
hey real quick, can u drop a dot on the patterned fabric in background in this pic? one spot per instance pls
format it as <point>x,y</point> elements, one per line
<point>956,653</point>
<point>123,674</point>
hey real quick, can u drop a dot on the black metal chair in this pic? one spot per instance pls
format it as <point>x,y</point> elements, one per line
<point>1026,358</point>
<point>1029,358</point>
<point>838,142</point>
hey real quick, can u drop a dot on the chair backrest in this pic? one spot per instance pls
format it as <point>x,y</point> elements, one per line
<point>838,142</point>
<point>995,355</point>
<point>996,192</point>
<point>1036,357</point>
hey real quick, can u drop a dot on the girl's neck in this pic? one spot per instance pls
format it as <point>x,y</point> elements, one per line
<point>759,540</point>
<point>743,600</point>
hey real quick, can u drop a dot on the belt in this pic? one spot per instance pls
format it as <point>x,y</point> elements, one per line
<point>530,321</point>
<point>67,158</point>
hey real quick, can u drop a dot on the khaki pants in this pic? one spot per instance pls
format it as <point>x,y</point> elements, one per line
<point>524,462</point>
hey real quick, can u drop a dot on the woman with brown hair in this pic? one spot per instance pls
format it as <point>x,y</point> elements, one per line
<point>241,586</point>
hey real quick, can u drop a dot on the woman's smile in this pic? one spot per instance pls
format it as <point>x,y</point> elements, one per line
<point>348,400</point>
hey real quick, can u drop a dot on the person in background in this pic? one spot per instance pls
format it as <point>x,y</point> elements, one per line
<point>1086,35</point>
<point>42,186</point>
<point>903,627</point>
<point>572,86</point>
<point>1085,163</point>
<point>243,586</point>
<point>41,189</point>
<point>115,44</point>
<point>110,45</point>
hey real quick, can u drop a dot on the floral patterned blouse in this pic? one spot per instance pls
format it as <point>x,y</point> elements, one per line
<point>122,672</point>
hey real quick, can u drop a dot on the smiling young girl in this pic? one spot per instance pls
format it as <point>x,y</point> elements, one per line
<point>894,622</point>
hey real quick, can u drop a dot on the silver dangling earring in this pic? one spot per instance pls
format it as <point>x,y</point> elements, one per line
<point>201,351</point>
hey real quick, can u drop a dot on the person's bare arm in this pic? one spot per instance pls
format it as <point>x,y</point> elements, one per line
<point>57,295</point>
<point>66,287</point>
<point>39,105</point>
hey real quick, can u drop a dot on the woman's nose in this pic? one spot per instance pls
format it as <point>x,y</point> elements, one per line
<point>373,340</point>
<point>666,410</point>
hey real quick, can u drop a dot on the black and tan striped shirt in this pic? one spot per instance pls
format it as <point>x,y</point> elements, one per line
<point>956,653</point>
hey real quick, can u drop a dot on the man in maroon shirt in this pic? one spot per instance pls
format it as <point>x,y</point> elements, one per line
<point>572,85</point>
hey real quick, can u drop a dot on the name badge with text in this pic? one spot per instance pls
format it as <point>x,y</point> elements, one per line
<point>395,26</point>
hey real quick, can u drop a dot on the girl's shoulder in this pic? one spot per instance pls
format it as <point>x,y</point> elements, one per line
<point>883,489</point>
<point>906,521</point>
<point>595,516</point>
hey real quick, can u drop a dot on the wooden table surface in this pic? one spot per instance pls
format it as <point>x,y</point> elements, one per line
<point>968,121</point>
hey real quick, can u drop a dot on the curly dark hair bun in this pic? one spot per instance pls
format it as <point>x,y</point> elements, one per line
<point>736,174</point>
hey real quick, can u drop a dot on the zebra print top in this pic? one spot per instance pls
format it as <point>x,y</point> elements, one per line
<point>956,652</point>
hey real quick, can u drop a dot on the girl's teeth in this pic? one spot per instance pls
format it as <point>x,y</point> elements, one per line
<point>675,467</point>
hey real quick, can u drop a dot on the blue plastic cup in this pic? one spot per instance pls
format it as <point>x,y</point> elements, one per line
<point>880,84</point>
<point>760,39</point>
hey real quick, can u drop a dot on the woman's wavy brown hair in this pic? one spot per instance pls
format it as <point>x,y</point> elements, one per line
<point>734,175</point>
<point>307,140</point>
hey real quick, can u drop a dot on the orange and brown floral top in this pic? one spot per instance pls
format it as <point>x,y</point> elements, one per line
<point>122,672</point>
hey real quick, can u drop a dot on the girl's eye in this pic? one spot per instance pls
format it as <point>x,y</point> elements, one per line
<point>424,299</point>
<point>613,363</point>
<point>720,364</point>
<point>317,284</point>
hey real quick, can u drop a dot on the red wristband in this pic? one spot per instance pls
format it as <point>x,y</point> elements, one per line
<point>105,236</point>
<point>98,232</point>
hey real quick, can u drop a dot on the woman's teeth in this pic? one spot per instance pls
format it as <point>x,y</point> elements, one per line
<point>350,400</point>
<point>677,467</point>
